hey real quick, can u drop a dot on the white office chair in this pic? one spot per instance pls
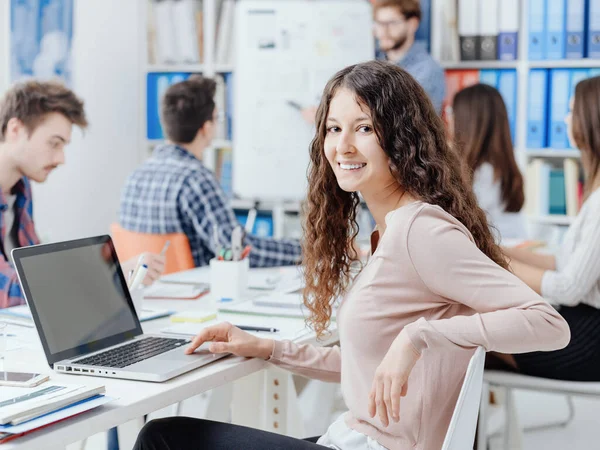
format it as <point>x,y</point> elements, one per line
<point>510,381</point>
<point>461,431</point>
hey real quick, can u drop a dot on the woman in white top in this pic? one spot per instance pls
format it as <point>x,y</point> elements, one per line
<point>480,127</point>
<point>571,278</point>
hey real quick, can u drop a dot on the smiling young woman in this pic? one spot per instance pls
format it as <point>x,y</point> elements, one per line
<point>435,287</point>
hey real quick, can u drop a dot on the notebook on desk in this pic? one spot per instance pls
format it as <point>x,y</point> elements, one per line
<point>85,316</point>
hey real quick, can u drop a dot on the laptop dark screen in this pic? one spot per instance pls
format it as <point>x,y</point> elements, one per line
<point>77,295</point>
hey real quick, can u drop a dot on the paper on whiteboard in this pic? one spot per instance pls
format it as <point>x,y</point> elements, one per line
<point>287,51</point>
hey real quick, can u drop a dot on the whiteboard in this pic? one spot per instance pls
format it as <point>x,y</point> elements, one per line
<point>287,51</point>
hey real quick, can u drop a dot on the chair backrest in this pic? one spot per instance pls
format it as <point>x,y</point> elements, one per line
<point>461,431</point>
<point>130,243</point>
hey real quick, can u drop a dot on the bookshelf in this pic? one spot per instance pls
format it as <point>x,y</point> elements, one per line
<point>441,46</point>
<point>207,65</point>
<point>211,63</point>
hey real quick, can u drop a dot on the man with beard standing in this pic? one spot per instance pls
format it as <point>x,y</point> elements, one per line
<point>395,23</point>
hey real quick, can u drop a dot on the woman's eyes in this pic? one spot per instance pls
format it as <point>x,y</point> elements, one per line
<point>362,128</point>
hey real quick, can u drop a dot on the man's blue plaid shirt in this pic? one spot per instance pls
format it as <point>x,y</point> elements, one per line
<point>173,192</point>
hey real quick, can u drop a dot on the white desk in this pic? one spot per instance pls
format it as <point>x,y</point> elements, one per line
<point>134,399</point>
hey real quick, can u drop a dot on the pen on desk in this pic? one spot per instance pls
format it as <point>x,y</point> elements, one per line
<point>164,249</point>
<point>129,277</point>
<point>139,277</point>
<point>253,328</point>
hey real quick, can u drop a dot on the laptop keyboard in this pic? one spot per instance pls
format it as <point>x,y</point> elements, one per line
<point>129,354</point>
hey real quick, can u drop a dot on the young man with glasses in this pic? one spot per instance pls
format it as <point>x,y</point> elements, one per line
<point>395,23</point>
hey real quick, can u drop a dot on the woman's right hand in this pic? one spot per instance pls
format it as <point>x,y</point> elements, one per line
<point>226,338</point>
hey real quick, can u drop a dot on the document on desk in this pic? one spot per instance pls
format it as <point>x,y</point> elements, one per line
<point>19,405</point>
<point>285,280</point>
<point>175,291</point>
<point>9,432</point>
<point>288,329</point>
<point>275,305</point>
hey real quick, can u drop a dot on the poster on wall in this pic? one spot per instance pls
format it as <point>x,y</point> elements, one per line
<point>41,34</point>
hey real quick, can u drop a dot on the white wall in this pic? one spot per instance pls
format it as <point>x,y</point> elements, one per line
<point>4,45</point>
<point>81,198</point>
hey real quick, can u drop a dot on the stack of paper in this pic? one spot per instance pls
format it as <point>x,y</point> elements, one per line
<point>286,328</point>
<point>176,291</point>
<point>26,409</point>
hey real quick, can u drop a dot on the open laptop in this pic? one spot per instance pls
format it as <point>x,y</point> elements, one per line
<point>85,317</point>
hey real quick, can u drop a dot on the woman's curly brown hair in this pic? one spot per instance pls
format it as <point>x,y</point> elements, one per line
<point>413,137</point>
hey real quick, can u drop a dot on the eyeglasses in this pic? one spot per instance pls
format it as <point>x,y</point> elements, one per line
<point>387,24</point>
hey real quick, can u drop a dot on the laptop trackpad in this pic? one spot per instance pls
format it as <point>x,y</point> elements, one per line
<point>174,359</point>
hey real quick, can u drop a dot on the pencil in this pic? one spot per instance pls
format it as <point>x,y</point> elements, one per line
<point>164,249</point>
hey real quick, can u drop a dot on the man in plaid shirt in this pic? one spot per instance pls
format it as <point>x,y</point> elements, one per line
<point>173,192</point>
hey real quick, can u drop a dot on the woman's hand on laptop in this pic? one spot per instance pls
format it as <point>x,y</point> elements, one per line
<point>154,261</point>
<point>226,338</point>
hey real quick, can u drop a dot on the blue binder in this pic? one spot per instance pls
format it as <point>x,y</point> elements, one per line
<point>537,29</point>
<point>555,29</point>
<point>557,195</point>
<point>229,104</point>
<point>507,86</point>
<point>537,108</point>
<point>593,29</point>
<point>489,76</point>
<point>559,108</point>
<point>576,76</point>
<point>508,31</point>
<point>576,24</point>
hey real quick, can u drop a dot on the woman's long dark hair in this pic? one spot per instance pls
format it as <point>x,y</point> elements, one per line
<point>586,129</point>
<point>482,135</point>
<point>413,137</point>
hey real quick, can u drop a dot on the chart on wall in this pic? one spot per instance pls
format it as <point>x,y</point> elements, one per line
<point>41,33</point>
<point>285,54</point>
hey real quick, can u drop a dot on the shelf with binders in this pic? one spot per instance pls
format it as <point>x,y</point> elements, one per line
<point>553,190</point>
<point>503,79</point>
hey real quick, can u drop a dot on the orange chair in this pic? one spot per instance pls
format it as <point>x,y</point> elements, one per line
<point>131,243</point>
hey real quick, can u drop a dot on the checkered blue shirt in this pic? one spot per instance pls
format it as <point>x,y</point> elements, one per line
<point>173,192</point>
<point>10,289</point>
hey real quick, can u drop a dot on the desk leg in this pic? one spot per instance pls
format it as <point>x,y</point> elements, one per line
<point>219,403</point>
<point>267,400</point>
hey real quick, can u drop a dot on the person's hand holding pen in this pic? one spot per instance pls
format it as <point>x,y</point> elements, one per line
<point>154,261</point>
<point>227,338</point>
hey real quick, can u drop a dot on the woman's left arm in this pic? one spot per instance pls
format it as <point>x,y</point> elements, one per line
<point>577,277</point>
<point>531,275</point>
<point>508,316</point>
